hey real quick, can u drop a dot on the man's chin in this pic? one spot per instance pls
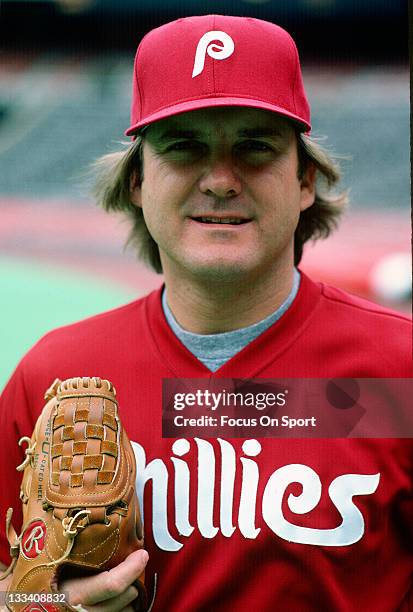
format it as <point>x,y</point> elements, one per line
<point>222,270</point>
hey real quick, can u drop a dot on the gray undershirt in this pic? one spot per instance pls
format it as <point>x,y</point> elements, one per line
<point>215,349</point>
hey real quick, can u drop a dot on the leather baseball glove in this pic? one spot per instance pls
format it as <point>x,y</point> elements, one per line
<point>80,510</point>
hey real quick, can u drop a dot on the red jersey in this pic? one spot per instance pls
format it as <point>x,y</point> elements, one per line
<point>264,524</point>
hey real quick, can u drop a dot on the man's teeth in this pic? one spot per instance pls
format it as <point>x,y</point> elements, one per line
<point>220,220</point>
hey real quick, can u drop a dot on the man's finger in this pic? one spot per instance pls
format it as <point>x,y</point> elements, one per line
<point>89,590</point>
<point>120,603</point>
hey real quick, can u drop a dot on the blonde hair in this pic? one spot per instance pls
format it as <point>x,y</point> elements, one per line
<point>114,173</point>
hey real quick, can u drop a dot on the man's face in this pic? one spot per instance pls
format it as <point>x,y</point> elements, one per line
<point>220,192</point>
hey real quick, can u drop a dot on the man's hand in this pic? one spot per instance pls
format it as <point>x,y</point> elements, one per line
<point>110,591</point>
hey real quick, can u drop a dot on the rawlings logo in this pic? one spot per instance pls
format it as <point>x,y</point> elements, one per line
<point>39,607</point>
<point>33,539</point>
<point>341,491</point>
<point>208,44</point>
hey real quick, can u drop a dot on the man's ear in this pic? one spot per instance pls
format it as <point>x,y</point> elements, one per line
<point>135,191</point>
<point>308,185</point>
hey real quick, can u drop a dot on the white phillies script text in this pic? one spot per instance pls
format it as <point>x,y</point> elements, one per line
<point>341,491</point>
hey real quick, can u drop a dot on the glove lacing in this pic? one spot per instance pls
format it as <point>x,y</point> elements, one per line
<point>12,537</point>
<point>29,452</point>
<point>71,527</point>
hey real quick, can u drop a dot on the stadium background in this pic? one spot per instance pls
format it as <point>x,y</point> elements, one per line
<point>64,100</point>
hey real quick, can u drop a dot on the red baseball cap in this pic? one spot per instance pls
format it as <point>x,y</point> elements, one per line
<point>217,60</point>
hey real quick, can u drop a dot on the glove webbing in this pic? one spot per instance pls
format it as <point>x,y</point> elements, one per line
<point>72,441</point>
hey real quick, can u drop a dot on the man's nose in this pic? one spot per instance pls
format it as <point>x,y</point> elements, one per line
<point>220,178</point>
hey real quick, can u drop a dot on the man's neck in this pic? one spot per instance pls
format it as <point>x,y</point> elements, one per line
<point>214,307</point>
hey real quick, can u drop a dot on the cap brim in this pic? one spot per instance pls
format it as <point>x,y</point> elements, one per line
<point>191,105</point>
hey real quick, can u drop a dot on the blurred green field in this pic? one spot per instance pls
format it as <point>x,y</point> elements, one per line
<point>37,298</point>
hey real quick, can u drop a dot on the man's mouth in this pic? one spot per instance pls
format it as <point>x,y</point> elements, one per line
<point>221,220</point>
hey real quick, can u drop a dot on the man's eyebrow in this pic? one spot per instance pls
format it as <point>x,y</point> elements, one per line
<point>175,133</point>
<point>259,132</point>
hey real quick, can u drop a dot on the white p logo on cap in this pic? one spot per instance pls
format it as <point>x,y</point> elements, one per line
<point>215,51</point>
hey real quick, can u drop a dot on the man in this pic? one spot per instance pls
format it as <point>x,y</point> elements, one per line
<point>224,186</point>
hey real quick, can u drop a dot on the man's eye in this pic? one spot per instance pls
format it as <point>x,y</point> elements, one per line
<point>254,146</point>
<point>185,146</point>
